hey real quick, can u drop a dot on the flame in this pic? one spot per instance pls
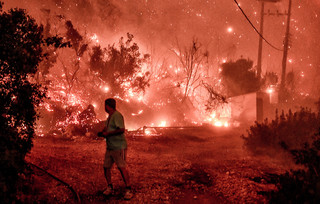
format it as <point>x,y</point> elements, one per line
<point>147,132</point>
<point>139,113</point>
<point>220,117</point>
<point>94,38</point>
<point>163,124</point>
<point>221,123</point>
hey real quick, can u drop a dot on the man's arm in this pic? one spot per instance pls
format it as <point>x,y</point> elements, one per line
<point>118,131</point>
<point>105,133</point>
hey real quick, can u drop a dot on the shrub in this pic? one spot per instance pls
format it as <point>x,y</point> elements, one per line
<point>299,186</point>
<point>292,130</point>
<point>299,134</point>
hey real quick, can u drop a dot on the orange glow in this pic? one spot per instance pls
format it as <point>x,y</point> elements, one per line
<point>147,132</point>
<point>270,90</point>
<point>224,60</point>
<point>139,112</point>
<point>163,124</point>
<point>220,117</point>
<point>220,124</point>
<point>106,89</point>
<point>94,38</point>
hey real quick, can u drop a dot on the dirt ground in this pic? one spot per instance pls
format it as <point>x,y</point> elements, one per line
<point>197,165</point>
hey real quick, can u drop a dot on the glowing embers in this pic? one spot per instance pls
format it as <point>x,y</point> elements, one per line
<point>221,123</point>
<point>220,117</point>
<point>94,38</point>
<point>144,131</point>
<point>106,89</point>
<point>163,124</point>
<point>139,113</point>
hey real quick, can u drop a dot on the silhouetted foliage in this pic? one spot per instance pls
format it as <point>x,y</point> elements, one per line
<point>73,35</point>
<point>297,133</point>
<point>298,186</point>
<point>191,57</point>
<point>215,99</point>
<point>270,78</point>
<point>239,78</point>
<point>21,42</point>
<point>118,64</point>
<point>292,129</point>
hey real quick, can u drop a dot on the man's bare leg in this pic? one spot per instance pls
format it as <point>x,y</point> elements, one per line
<point>107,174</point>
<point>125,176</point>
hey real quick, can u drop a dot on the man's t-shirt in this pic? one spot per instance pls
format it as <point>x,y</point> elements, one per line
<point>115,142</point>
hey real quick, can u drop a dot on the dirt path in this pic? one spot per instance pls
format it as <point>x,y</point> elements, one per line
<point>194,166</point>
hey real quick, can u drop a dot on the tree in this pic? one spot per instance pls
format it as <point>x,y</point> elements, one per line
<point>117,65</point>
<point>239,77</point>
<point>80,48</point>
<point>191,59</point>
<point>21,42</point>
<point>215,98</point>
<point>270,78</point>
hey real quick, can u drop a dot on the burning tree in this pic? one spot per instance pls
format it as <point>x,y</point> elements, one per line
<point>203,92</point>
<point>191,59</point>
<point>21,42</point>
<point>89,70</point>
<point>80,47</point>
<point>121,67</point>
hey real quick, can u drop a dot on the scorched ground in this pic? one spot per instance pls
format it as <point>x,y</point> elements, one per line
<point>200,165</point>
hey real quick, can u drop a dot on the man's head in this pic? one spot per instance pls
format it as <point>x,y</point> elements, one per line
<point>110,105</point>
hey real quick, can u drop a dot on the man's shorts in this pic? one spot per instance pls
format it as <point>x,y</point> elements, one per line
<point>115,156</point>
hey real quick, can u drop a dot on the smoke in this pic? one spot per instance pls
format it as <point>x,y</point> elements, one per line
<point>218,25</point>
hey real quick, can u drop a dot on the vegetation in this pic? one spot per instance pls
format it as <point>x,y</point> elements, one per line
<point>21,45</point>
<point>119,64</point>
<point>239,77</point>
<point>291,129</point>
<point>192,58</point>
<point>300,186</point>
<point>297,133</point>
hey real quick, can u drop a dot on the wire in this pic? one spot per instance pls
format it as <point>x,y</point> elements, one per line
<point>256,28</point>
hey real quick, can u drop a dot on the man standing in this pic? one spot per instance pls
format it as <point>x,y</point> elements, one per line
<point>116,147</point>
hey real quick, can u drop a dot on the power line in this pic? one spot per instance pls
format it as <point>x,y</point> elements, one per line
<point>256,28</point>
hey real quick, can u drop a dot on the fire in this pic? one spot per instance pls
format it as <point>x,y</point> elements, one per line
<point>67,95</point>
<point>147,132</point>
<point>94,38</point>
<point>220,117</point>
<point>163,124</point>
<point>139,113</point>
<point>221,123</point>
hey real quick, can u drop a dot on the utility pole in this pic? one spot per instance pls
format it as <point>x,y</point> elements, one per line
<point>260,41</point>
<point>285,55</point>
<point>261,32</point>
<point>260,95</point>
